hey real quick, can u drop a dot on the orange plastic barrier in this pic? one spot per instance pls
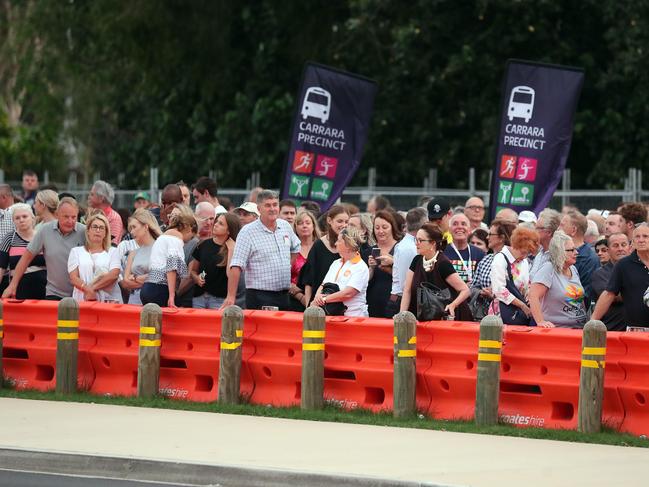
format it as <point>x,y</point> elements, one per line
<point>539,371</point>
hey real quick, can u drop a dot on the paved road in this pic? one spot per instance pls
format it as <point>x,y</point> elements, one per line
<point>16,478</point>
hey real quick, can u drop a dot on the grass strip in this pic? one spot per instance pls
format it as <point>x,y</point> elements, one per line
<point>336,414</point>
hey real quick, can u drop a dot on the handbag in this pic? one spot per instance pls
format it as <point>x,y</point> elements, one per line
<point>431,301</point>
<point>332,309</point>
<point>478,305</point>
<point>510,314</point>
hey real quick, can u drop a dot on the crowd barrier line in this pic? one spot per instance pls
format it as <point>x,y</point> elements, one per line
<point>539,368</point>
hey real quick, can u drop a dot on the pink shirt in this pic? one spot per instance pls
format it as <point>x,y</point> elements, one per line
<point>115,223</point>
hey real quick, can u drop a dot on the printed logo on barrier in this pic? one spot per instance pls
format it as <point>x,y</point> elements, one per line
<point>523,194</point>
<point>526,169</point>
<point>574,295</point>
<point>507,166</point>
<point>505,192</point>
<point>303,162</point>
<point>299,186</point>
<point>521,103</point>
<point>326,166</point>
<point>321,189</point>
<point>316,104</point>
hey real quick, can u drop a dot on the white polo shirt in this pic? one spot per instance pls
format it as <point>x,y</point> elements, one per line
<point>353,273</point>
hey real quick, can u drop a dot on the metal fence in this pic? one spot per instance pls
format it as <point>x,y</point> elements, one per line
<point>406,198</point>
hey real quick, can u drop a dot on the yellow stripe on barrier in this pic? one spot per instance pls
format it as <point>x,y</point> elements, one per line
<point>313,334</point>
<point>407,353</point>
<point>230,346</point>
<point>149,343</point>
<point>395,340</point>
<point>2,321</point>
<point>489,357</point>
<point>67,336</point>
<point>490,344</point>
<point>148,330</point>
<point>311,347</point>
<point>412,341</point>
<point>593,364</point>
<point>239,333</point>
<point>68,323</point>
<point>594,351</point>
<point>2,334</point>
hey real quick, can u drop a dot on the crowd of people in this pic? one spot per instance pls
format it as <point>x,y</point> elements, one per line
<point>554,269</point>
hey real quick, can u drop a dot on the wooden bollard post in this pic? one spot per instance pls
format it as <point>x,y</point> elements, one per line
<point>230,360</point>
<point>67,346</point>
<point>591,379</point>
<point>313,350</point>
<point>148,365</point>
<point>2,334</point>
<point>488,381</point>
<point>405,364</point>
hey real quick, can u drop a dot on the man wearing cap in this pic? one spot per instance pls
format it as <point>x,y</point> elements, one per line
<point>141,200</point>
<point>247,212</point>
<point>439,213</point>
<point>265,250</point>
<point>527,216</point>
<point>474,211</point>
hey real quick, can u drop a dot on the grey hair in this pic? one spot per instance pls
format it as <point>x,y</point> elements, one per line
<point>415,218</point>
<point>105,190</point>
<point>204,205</point>
<point>266,194</point>
<point>550,219</point>
<point>592,231</point>
<point>557,250</point>
<point>368,226</point>
<point>22,207</point>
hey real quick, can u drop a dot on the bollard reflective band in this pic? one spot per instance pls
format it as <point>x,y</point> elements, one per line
<point>395,340</point>
<point>412,340</point>
<point>239,333</point>
<point>148,330</point>
<point>312,347</point>
<point>490,344</point>
<point>594,351</point>
<point>313,334</point>
<point>230,346</point>
<point>489,357</point>
<point>149,343</point>
<point>67,336</point>
<point>2,334</point>
<point>593,364</point>
<point>2,321</point>
<point>68,323</point>
<point>407,353</point>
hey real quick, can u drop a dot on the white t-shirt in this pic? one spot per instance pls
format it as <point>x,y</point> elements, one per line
<point>353,273</point>
<point>92,266</point>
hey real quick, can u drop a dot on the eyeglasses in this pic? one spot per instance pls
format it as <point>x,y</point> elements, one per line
<point>98,228</point>
<point>422,240</point>
<point>571,250</point>
<point>474,208</point>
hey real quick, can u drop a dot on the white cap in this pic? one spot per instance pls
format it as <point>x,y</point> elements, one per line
<point>220,210</point>
<point>248,206</point>
<point>527,216</point>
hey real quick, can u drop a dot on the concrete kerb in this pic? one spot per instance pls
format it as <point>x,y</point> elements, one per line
<point>183,473</point>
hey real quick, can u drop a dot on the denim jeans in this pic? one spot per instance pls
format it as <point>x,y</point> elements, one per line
<point>207,301</point>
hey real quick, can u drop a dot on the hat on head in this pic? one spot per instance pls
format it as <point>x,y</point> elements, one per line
<point>437,208</point>
<point>142,195</point>
<point>527,216</point>
<point>219,210</point>
<point>248,206</point>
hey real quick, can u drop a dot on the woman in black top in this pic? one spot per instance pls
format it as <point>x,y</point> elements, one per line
<point>431,265</point>
<point>209,268</point>
<point>14,245</point>
<point>323,252</point>
<point>386,233</point>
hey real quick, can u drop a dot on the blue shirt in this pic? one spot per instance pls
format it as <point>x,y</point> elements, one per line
<point>587,263</point>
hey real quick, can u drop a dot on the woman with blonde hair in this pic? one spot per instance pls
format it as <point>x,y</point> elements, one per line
<point>306,229</point>
<point>167,265</point>
<point>95,266</point>
<point>45,205</point>
<point>14,245</point>
<point>144,229</point>
<point>350,273</point>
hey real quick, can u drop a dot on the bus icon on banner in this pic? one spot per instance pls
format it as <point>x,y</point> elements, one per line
<point>521,103</point>
<point>316,104</point>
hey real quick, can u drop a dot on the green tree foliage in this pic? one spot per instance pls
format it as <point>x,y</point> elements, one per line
<point>210,85</point>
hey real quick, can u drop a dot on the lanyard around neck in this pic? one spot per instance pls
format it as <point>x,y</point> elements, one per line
<point>467,264</point>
